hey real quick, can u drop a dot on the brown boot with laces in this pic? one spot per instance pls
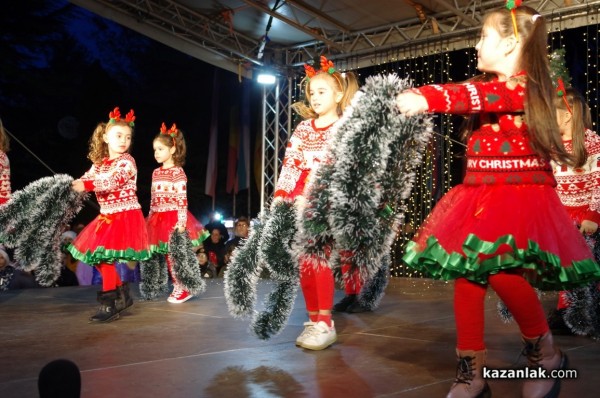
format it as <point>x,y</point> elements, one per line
<point>469,382</point>
<point>542,354</point>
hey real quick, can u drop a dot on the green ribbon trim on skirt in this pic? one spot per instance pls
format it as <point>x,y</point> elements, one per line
<point>102,255</point>
<point>163,247</point>
<point>541,269</point>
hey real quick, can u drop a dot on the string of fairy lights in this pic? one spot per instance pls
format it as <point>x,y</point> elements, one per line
<point>442,167</point>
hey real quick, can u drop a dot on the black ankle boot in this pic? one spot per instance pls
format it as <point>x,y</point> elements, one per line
<point>344,303</point>
<point>124,299</point>
<point>107,311</point>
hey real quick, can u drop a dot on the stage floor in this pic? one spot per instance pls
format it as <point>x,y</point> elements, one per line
<point>196,349</point>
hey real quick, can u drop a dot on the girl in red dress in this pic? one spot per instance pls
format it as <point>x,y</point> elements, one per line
<point>328,93</point>
<point>168,204</point>
<point>505,226</point>
<point>119,232</point>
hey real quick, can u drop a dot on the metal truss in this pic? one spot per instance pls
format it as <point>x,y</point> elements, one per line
<point>454,26</point>
<point>276,130</point>
<point>452,29</point>
<point>229,47</point>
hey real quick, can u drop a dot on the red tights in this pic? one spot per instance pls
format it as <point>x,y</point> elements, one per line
<point>518,295</point>
<point>110,276</point>
<point>352,281</point>
<point>318,287</point>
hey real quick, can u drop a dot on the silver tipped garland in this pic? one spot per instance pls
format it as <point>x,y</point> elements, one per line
<point>33,220</point>
<point>275,252</point>
<point>353,203</point>
<point>185,264</point>
<point>374,172</point>
<point>185,269</point>
<point>243,272</point>
<point>154,277</point>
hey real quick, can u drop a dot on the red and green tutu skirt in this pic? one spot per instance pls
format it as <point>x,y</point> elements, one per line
<point>112,237</point>
<point>161,224</point>
<point>478,230</point>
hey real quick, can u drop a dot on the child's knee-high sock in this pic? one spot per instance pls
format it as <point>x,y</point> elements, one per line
<point>110,276</point>
<point>308,285</point>
<point>523,303</point>
<point>324,289</point>
<point>469,314</point>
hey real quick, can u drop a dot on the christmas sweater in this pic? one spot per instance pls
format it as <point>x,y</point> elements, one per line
<point>579,188</point>
<point>4,178</point>
<point>114,183</point>
<point>305,150</point>
<point>169,193</point>
<point>499,152</point>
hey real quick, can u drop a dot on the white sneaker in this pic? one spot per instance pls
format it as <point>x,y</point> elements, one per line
<point>307,326</point>
<point>320,336</point>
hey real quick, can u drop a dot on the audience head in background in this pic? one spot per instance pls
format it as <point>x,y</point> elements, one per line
<point>59,379</point>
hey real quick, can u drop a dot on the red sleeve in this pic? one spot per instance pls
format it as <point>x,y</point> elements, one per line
<point>475,97</point>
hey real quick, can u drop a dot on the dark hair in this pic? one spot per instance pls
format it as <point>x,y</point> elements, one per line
<point>180,147</point>
<point>242,219</point>
<point>581,119</point>
<point>540,112</point>
<point>59,379</point>
<point>4,140</point>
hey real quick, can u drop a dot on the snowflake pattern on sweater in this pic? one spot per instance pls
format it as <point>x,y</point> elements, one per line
<point>499,152</point>
<point>5,190</point>
<point>305,150</point>
<point>114,183</point>
<point>579,188</point>
<point>169,193</point>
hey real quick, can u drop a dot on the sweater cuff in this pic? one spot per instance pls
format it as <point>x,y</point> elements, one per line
<point>434,97</point>
<point>593,216</point>
<point>88,185</point>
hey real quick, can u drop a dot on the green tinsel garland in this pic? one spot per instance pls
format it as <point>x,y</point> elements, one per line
<point>243,272</point>
<point>374,172</point>
<point>275,252</point>
<point>33,220</point>
<point>355,198</point>
<point>154,277</point>
<point>185,264</point>
<point>372,292</point>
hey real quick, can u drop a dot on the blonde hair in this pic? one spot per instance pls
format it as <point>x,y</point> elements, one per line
<point>4,140</point>
<point>345,83</point>
<point>540,112</point>
<point>180,147</point>
<point>99,148</point>
<point>581,119</point>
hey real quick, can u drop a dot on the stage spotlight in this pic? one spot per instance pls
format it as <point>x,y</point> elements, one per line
<point>266,76</point>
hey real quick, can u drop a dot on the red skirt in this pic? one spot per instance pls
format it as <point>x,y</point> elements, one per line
<point>161,224</point>
<point>112,237</point>
<point>477,230</point>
